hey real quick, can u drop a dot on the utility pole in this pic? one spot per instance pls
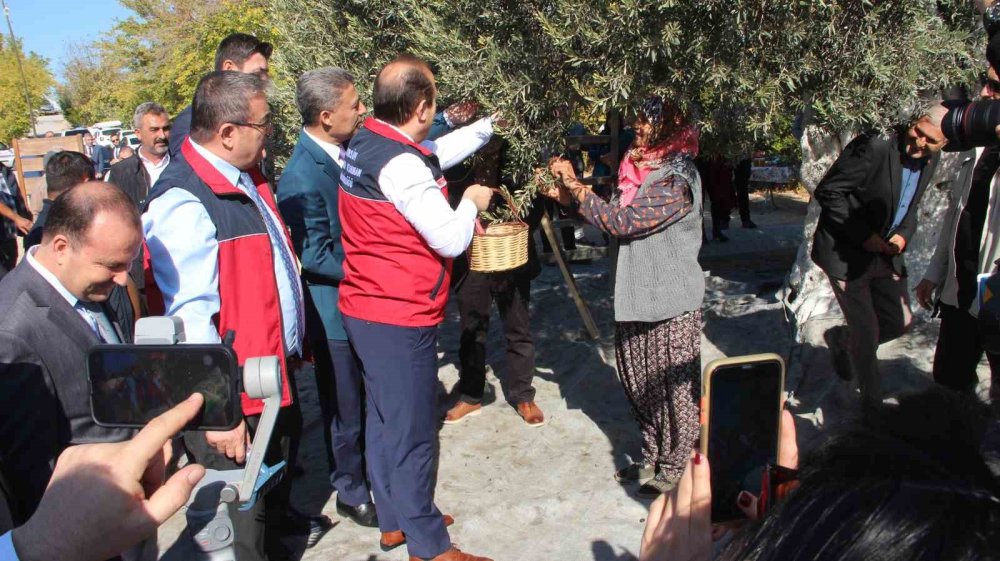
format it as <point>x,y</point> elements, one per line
<point>20,67</point>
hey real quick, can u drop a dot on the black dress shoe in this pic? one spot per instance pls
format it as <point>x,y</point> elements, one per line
<point>363,514</point>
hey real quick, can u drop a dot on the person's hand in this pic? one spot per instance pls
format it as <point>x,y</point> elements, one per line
<point>23,224</point>
<point>788,456</point>
<point>555,190</point>
<point>562,169</point>
<point>105,498</point>
<point>679,527</point>
<point>461,113</point>
<point>498,120</point>
<point>480,195</point>
<point>897,244</point>
<point>875,244</point>
<point>925,293</point>
<point>232,443</point>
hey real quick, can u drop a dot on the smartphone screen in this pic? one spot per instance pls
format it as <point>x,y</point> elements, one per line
<point>132,384</point>
<point>744,412</point>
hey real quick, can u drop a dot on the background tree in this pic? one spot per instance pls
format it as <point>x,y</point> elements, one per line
<point>750,66</point>
<point>157,55</point>
<point>14,119</point>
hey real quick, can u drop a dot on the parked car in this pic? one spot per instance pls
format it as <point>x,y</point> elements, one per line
<point>48,109</point>
<point>129,139</point>
<point>6,155</point>
<point>75,131</point>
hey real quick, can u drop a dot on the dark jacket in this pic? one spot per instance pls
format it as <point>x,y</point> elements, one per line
<point>34,236</point>
<point>859,197</point>
<point>44,393</point>
<point>101,156</point>
<point>132,178</point>
<point>307,198</point>
<point>180,129</point>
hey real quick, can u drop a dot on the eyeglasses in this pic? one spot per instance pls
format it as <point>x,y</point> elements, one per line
<point>265,128</point>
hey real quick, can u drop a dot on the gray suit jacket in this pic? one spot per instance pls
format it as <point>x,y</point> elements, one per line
<point>44,392</point>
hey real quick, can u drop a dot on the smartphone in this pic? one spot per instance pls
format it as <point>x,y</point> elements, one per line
<point>741,406</point>
<point>132,384</point>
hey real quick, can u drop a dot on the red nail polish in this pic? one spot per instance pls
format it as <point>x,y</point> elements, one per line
<point>697,458</point>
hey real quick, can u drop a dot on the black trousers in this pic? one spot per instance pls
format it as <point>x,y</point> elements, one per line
<point>743,197</point>
<point>256,540</point>
<point>512,293</point>
<point>959,350</point>
<point>8,256</point>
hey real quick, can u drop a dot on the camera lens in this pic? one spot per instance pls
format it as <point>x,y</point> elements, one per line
<point>969,125</point>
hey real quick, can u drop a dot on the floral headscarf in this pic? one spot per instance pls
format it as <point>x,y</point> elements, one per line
<point>672,135</point>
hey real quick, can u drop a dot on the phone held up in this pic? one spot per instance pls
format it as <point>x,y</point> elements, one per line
<point>132,384</point>
<point>741,406</point>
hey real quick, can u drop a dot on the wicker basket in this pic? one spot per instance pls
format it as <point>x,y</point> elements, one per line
<point>501,247</point>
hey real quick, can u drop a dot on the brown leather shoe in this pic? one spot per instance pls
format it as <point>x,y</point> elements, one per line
<point>392,540</point>
<point>461,410</point>
<point>531,414</point>
<point>454,554</point>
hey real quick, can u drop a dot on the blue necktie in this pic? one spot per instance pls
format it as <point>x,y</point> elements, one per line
<point>275,232</point>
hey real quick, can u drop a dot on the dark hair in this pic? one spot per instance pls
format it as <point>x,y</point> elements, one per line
<point>908,482</point>
<point>238,47</point>
<point>223,97</point>
<point>74,211</point>
<point>396,97</point>
<point>67,169</point>
<point>320,90</point>
<point>993,51</point>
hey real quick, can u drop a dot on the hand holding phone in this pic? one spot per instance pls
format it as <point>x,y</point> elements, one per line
<point>741,411</point>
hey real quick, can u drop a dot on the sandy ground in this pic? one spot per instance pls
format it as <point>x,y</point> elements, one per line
<point>548,493</point>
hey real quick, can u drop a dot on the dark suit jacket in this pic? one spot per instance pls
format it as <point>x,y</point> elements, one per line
<point>132,178</point>
<point>101,156</point>
<point>44,392</point>
<point>307,198</point>
<point>859,197</point>
<point>180,129</point>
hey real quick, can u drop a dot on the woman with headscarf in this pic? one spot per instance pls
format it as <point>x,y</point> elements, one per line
<point>656,218</point>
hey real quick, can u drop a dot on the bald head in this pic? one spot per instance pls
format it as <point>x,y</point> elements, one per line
<point>74,212</point>
<point>400,89</point>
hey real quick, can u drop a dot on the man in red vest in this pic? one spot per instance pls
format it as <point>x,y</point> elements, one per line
<point>219,256</point>
<point>399,238</point>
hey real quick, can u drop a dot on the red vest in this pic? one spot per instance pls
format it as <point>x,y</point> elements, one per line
<point>391,275</point>
<point>248,290</point>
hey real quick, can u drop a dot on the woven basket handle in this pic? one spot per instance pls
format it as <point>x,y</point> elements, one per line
<point>510,202</point>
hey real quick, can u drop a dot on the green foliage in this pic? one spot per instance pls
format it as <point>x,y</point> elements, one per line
<point>158,55</point>
<point>749,66</point>
<point>14,116</point>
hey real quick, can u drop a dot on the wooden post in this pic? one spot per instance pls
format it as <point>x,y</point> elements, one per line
<point>557,252</point>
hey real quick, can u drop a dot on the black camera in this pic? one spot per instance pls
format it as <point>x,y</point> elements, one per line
<point>971,124</point>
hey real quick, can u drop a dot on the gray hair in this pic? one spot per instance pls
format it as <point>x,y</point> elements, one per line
<point>145,109</point>
<point>320,90</point>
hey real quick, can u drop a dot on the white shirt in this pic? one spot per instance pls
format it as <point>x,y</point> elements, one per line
<point>335,151</point>
<point>154,169</point>
<point>409,185</point>
<point>185,259</point>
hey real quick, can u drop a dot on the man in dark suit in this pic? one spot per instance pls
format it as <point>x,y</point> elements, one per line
<point>100,155</point>
<point>869,201</point>
<point>307,198</point>
<point>52,311</point>
<point>239,52</point>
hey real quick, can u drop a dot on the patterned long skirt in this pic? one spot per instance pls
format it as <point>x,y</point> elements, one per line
<point>660,368</point>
